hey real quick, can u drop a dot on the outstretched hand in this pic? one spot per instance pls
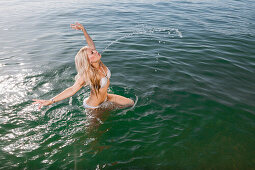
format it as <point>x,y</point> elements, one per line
<point>42,103</point>
<point>77,26</point>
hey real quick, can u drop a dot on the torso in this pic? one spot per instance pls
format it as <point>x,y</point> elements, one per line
<point>94,100</point>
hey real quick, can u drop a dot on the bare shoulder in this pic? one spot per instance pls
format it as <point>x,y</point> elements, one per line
<point>81,81</point>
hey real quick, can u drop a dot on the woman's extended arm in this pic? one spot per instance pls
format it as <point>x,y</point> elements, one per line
<point>78,26</point>
<point>63,95</point>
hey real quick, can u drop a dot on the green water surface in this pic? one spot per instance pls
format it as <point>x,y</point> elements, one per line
<point>189,65</point>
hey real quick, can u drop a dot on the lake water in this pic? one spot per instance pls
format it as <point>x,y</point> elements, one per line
<point>188,64</point>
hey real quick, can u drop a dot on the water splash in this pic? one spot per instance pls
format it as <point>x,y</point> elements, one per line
<point>146,30</point>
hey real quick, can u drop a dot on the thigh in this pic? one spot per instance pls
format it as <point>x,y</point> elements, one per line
<point>119,99</point>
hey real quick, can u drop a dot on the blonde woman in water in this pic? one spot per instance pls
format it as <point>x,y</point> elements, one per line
<point>92,72</point>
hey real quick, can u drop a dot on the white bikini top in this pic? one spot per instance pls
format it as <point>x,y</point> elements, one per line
<point>104,80</point>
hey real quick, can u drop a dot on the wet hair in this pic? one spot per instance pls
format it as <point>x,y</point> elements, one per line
<point>86,70</point>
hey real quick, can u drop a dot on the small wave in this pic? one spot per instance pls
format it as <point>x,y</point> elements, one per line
<point>136,100</point>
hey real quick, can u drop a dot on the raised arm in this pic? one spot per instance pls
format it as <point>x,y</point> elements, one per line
<point>78,26</point>
<point>70,91</point>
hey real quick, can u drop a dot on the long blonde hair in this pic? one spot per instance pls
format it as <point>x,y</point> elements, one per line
<point>86,70</point>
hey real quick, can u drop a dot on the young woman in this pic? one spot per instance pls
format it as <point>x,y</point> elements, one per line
<point>92,72</point>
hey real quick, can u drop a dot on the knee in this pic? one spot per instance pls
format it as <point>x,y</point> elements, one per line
<point>131,102</point>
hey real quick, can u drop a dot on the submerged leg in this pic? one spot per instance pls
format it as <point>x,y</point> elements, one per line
<point>120,100</point>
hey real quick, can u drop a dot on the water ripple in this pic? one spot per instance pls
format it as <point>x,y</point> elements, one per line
<point>189,72</point>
